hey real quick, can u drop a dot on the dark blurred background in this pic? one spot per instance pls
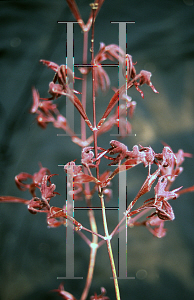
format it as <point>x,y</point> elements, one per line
<point>161,41</point>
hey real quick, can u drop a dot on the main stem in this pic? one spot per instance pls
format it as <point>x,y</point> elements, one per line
<point>93,92</point>
<point>93,251</point>
<point>94,243</point>
<point>109,247</point>
<point>107,236</point>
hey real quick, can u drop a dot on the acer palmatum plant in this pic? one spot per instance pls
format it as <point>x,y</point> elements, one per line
<point>88,178</point>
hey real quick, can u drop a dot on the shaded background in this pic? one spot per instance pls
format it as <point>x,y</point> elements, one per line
<point>161,41</point>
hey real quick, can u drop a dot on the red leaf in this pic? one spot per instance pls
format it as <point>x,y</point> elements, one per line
<point>82,178</point>
<point>57,212</point>
<point>36,99</point>
<point>47,192</point>
<point>22,177</point>
<point>38,205</point>
<point>50,64</point>
<point>64,294</point>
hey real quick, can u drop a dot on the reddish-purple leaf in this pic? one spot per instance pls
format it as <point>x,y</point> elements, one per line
<point>56,212</point>
<point>36,99</point>
<point>65,295</point>
<point>50,64</point>
<point>83,178</point>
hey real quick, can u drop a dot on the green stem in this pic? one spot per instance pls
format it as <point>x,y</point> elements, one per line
<point>109,247</point>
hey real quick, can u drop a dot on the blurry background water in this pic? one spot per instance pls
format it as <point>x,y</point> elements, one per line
<point>160,41</point>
